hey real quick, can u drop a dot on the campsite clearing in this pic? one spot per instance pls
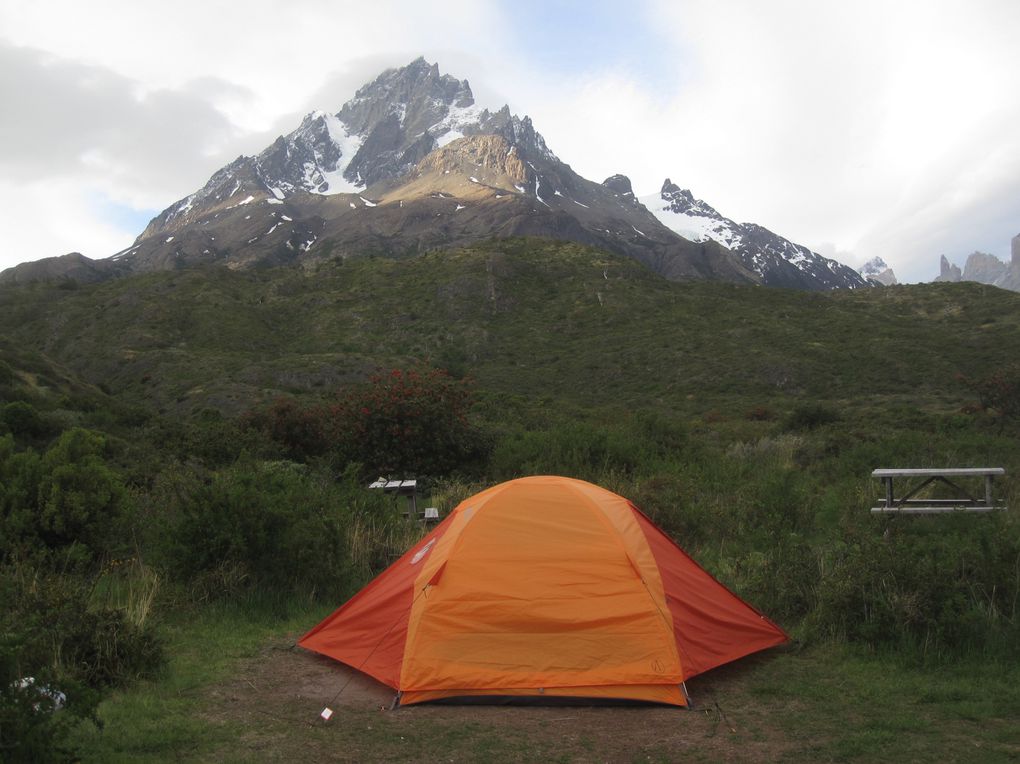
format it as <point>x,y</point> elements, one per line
<point>824,705</point>
<point>276,700</point>
<point>238,690</point>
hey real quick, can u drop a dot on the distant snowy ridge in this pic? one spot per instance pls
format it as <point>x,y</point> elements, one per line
<point>692,218</point>
<point>778,261</point>
<point>876,270</point>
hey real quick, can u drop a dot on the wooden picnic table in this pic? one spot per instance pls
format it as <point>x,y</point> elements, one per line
<point>964,501</point>
<point>409,490</point>
<point>406,488</point>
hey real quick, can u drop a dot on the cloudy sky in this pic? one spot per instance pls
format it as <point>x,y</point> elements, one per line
<point>878,127</point>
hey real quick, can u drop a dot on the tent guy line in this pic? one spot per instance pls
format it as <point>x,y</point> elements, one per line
<point>396,698</point>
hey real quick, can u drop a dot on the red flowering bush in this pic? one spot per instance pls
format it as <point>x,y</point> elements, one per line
<point>300,431</point>
<point>411,421</point>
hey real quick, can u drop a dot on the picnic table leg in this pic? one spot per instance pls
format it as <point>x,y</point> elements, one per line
<point>988,490</point>
<point>888,492</point>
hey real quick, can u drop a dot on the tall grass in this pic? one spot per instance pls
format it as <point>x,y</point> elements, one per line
<point>130,586</point>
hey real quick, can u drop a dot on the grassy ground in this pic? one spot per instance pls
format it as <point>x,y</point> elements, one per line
<point>168,719</point>
<point>236,690</point>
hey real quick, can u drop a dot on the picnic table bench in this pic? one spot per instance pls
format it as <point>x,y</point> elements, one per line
<point>409,490</point>
<point>405,488</point>
<point>964,501</point>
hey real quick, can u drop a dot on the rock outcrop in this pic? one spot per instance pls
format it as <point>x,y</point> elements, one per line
<point>73,267</point>
<point>948,271</point>
<point>986,269</point>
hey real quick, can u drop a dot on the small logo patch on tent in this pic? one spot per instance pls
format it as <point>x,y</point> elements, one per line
<point>422,552</point>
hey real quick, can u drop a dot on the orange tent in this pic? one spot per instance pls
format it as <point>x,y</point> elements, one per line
<point>543,586</point>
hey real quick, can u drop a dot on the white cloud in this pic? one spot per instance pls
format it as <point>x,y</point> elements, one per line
<point>65,119</point>
<point>277,52</point>
<point>53,217</point>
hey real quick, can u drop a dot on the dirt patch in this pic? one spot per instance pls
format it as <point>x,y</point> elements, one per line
<point>275,700</point>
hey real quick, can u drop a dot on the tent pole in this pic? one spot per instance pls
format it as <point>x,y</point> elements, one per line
<point>687,698</point>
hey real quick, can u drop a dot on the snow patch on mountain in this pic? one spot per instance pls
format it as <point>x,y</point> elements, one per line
<point>452,126</point>
<point>348,145</point>
<point>692,227</point>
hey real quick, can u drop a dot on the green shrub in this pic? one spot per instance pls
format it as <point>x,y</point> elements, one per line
<point>576,449</point>
<point>809,416</point>
<point>31,727</point>
<point>773,505</point>
<point>80,497</point>
<point>272,525</point>
<point>99,647</point>
<point>670,502</point>
<point>998,391</point>
<point>780,578</point>
<point>23,421</point>
<point>664,436</point>
<point>50,632</point>
<point>67,501</point>
<point>106,650</point>
<point>759,414</point>
<point>943,585</point>
<point>6,376</point>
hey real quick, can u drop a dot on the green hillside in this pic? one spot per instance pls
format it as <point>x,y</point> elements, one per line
<point>183,450</point>
<point>546,322</point>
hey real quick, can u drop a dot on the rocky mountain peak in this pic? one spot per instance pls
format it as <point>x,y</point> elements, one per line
<point>873,267</point>
<point>673,193</point>
<point>519,131</point>
<point>984,268</point>
<point>379,136</point>
<point>619,184</point>
<point>682,202</point>
<point>948,271</point>
<point>417,78</point>
<point>877,270</point>
<point>669,188</point>
<point>416,95</point>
